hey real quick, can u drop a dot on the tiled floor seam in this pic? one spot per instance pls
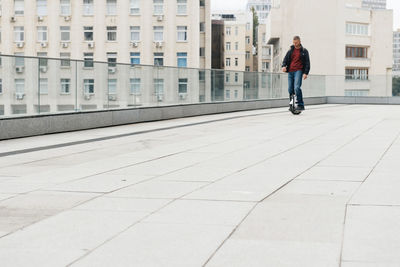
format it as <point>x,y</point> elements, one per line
<point>355,192</point>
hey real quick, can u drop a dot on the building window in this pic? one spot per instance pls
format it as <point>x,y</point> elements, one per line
<point>228,46</point>
<point>20,86</point>
<point>236,30</point>
<point>182,59</point>
<point>356,28</point>
<point>356,52</point>
<point>202,27</point>
<point>364,92</point>
<point>111,33</point>
<point>135,58</point>
<point>158,33</point>
<point>41,7</point>
<point>43,86</point>
<point>65,59</point>
<point>357,74</point>
<point>236,94</point>
<point>247,39</point>
<point>158,59</point>
<point>65,33</point>
<point>236,61</point>
<point>158,7</point>
<point>237,46</point>
<point>265,65</point>
<point>202,75</point>
<point>236,77</point>
<point>88,60</point>
<point>227,77</point>
<point>247,68</point>
<point>42,33</point>
<point>88,8</point>
<point>228,94</point>
<point>135,86</point>
<point>159,87</point>
<point>202,3</point>
<point>88,86</point>
<point>202,51</point>
<point>88,33</point>
<point>65,7</point>
<point>1,86</point>
<point>112,7</point>
<point>182,33</point>
<point>183,86</point>
<point>248,26</point>
<point>19,34</point>
<point>43,62</point>
<point>19,7</point>
<point>182,7</point>
<point>135,33</point>
<point>19,60</point>
<point>65,86</point>
<point>228,30</point>
<point>228,62</point>
<point>135,7</point>
<point>247,55</point>
<point>112,86</point>
<point>112,59</point>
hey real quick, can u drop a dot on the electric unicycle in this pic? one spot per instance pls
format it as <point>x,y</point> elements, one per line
<point>293,105</point>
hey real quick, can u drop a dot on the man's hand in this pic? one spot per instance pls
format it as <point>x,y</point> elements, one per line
<point>305,76</point>
<point>284,69</point>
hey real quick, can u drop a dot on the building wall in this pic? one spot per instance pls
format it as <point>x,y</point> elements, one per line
<point>327,42</point>
<point>123,20</point>
<point>53,100</point>
<point>396,52</point>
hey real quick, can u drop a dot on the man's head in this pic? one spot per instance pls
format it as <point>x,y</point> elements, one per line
<point>296,41</point>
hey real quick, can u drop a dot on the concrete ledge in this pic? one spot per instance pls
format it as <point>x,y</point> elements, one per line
<point>370,100</point>
<point>66,122</point>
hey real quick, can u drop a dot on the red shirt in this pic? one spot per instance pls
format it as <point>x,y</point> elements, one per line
<point>296,63</point>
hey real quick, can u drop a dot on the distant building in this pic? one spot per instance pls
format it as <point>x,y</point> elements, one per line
<point>374,4</point>
<point>396,52</point>
<point>350,44</point>
<point>262,7</point>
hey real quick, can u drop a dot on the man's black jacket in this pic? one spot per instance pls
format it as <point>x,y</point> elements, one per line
<point>304,56</point>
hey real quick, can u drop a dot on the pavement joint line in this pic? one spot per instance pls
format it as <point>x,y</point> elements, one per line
<point>180,198</point>
<point>23,151</point>
<point>355,192</point>
<point>285,184</point>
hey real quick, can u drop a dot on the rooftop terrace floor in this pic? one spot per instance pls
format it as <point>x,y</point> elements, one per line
<point>254,188</point>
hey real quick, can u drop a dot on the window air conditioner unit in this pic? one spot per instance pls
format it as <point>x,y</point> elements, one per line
<point>112,97</point>
<point>19,96</point>
<point>19,69</point>
<point>43,69</point>
<point>40,18</point>
<point>64,45</point>
<point>20,44</point>
<point>112,70</point>
<point>67,18</point>
<point>87,96</point>
<point>91,44</point>
<point>160,17</point>
<point>182,96</point>
<point>12,19</point>
<point>134,44</point>
<point>159,44</point>
<point>43,44</point>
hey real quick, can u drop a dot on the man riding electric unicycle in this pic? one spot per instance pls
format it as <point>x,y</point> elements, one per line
<point>297,64</point>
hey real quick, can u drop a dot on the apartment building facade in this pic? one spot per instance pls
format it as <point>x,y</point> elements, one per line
<point>262,8</point>
<point>349,43</point>
<point>374,4</point>
<point>396,53</point>
<point>134,32</point>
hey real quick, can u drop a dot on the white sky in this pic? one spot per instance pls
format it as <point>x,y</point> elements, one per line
<point>241,5</point>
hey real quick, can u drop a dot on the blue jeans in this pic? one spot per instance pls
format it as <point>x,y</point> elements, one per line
<point>295,81</point>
